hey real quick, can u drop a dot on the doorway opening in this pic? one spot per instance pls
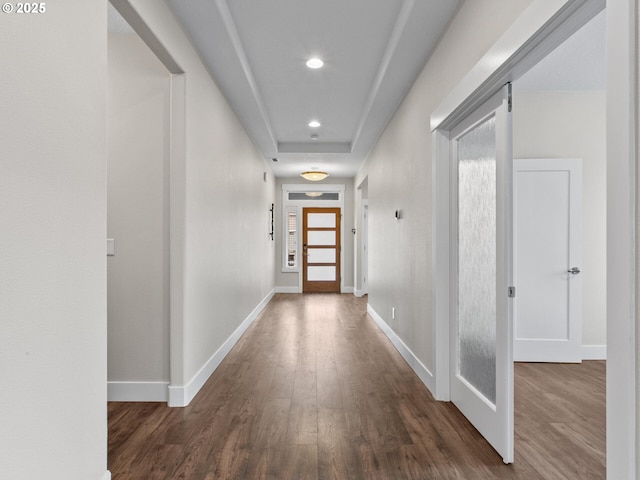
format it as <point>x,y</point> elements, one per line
<point>145,211</point>
<point>313,229</point>
<point>465,98</point>
<point>560,160</point>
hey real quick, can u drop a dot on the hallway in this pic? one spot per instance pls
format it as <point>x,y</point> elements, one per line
<point>314,390</point>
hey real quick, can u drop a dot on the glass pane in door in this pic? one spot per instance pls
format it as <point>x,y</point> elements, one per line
<point>477,258</point>
<point>321,274</point>
<point>321,220</point>
<point>321,237</point>
<point>321,255</point>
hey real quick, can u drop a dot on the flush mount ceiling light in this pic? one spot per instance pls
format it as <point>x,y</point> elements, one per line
<point>314,137</point>
<point>314,124</point>
<point>313,194</point>
<point>315,63</point>
<point>314,176</point>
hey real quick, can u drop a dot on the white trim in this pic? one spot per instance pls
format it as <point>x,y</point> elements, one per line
<point>181,396</point>
<point>288,290</point>
<point>622,343</point>
<point>137,391</point>
<point>347,290</point>
<point>107,476</point>
<point>363,244</point>
<point>414,362</point>
<point>441,254</point>
<point>359,293</point>
<point>594,352</point>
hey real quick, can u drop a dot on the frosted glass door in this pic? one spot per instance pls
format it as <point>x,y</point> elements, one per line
<point>321,250</point>
<point>477,258</point>
<point>482,362</point>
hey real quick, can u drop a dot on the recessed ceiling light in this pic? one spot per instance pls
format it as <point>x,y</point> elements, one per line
<point>314,124</point>
<point>315,63</point>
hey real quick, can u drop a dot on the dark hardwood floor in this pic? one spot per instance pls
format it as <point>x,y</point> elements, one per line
<point>314,390</point>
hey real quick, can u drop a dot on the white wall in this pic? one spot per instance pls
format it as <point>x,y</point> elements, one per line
<point>137,215</point>
<point>399,172</point>
<point>572,124</point>
<point>289,280</point>
<point>53,355</point>
<point>228,257</point>
<point>623,407</point>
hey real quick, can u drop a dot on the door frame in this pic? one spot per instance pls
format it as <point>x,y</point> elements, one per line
<point>364,249</point>
<point>176,189</point>
<point>542,27</point>
<point>287,188</point>
<point>524,43</point>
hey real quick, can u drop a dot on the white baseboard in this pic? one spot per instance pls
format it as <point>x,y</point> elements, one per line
<point>287,290</point>
<point>137,391</point>
<point>347,290</point>
<point>594,352</point>
<point>416,365</point>
<point>181,396</point>
<point>359,293</point>
<point>107,476</point>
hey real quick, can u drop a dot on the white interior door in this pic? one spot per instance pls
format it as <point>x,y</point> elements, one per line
<point>481,367</point>
<point>547,253</point>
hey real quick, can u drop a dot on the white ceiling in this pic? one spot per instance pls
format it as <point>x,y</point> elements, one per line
<point>578,64</point>
<point>373,51</point>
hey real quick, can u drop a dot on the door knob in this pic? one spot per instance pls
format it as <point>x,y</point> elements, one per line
<point>574,271</point>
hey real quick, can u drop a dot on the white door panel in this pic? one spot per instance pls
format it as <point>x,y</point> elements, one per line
<point>547,214</point>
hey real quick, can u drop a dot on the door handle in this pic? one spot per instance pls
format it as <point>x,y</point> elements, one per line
<point>574,271</point>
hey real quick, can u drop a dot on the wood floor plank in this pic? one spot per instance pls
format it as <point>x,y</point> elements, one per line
<point>314,390</point>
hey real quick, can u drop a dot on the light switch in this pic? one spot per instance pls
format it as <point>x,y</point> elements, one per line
<point>111,247</point>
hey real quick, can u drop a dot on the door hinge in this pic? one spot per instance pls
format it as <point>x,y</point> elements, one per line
<point>509,97</point>
<point>511,291</point>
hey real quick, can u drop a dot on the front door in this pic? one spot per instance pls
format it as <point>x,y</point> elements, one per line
<point>547,225</point>
<point>321,250</point>
<point>481,368</point>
